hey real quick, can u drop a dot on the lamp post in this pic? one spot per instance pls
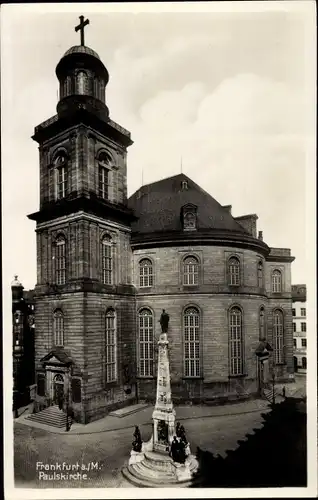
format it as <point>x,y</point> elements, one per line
<point>67,400</point>
<point>273,382</point>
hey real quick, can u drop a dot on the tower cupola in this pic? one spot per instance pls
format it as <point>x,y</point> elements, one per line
<point>83,79</point>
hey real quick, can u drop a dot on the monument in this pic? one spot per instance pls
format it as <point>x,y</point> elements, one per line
<point>165,460</point>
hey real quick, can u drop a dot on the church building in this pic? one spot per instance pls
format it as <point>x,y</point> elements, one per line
<point>107,266</point>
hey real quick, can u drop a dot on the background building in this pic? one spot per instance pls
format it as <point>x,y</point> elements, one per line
<point>299,312</point>
<point>108,265</point>
<point>23,343</point>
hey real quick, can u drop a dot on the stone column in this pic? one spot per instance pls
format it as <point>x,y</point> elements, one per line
<point>164,413</point>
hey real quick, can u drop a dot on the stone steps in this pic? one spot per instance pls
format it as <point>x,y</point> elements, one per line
<point>128,410</point>
<point>51,416</point>
<point>158,470</point>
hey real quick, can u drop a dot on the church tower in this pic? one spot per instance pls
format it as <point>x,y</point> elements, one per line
<point>85,305</point>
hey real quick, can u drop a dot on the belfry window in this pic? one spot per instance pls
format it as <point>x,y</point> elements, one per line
<point>58,328</point>
<point>104,166</point>
<point>81,82</point>
<point>61,175</point>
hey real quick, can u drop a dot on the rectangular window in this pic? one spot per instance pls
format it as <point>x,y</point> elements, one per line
<point>146,344</point>
<point>303,311</point>
<point>103,182</point>
<point>191,344</point>
<point>294,327</point>
<point>60,262</point>
<point>294,312</point>
<point>279,337</point>
<point>107,262</point>
<point>236,344</point>
<point>303,327</point>
<point>295,343</point>
<point>303,342</point>
<point>111,371</point>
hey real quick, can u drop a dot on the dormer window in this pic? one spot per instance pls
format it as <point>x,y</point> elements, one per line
<point>189,217</point>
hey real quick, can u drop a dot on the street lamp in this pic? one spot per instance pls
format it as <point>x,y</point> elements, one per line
<point>273,382</point>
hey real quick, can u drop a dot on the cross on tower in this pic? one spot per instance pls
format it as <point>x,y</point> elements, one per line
<point>81,27</point>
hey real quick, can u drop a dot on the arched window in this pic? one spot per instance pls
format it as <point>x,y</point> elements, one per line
<point>60,261</point>
<point>262,332</point>
<point>107,261</point>
<point>278,336</point>
<point>145,343</point>
<point>58,328</point>
<point>81,82</point>
<point>145,273</point>
<point>191,323</point>
<point>61,175</point>
<point>190,271</point>
<point>277,281</point>
<point>110,346</point>
<point>260,280</point>
<point>236,342</point>
<point>104,165</point>
<point>234,271</point>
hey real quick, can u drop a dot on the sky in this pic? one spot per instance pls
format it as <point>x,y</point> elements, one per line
<point>231,93</point>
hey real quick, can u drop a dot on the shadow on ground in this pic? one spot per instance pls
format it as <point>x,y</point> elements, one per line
<point>274,456</point>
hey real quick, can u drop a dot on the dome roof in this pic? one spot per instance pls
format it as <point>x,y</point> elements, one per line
<point>158,207</point>
<point>81,49</point>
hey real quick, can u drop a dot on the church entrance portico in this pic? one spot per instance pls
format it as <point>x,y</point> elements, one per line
<point>57,375</point>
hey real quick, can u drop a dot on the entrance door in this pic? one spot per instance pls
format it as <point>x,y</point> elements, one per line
<point>59,390</point>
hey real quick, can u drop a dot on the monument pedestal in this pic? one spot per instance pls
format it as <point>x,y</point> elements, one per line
<point>157,470</point>
<point>153,467</point>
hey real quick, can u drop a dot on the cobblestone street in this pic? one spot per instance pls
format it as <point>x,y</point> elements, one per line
<point>111,448</point>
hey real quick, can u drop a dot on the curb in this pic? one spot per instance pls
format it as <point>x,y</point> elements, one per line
<point>70,433</point>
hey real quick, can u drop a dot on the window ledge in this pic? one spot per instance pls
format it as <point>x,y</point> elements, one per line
<point>242,375</point>
<point>200,377</point>
<point>110,385</point>
<point>141,377</point>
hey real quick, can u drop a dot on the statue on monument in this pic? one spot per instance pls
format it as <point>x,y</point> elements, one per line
<point>164,321</point>
<point>137,443</point>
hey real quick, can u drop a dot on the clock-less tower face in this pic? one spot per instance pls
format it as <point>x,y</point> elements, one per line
<point>83,241</point>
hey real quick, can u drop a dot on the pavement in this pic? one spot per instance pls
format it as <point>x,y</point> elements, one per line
<point>183,412</point>
<point>144,417</point>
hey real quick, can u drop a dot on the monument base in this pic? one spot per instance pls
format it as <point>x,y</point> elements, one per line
<point>157,470</point>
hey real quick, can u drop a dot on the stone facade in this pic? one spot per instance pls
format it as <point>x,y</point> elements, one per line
<point>91,360</point>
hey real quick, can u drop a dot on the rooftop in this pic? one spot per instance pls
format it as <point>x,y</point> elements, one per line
<point>158,206</point>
